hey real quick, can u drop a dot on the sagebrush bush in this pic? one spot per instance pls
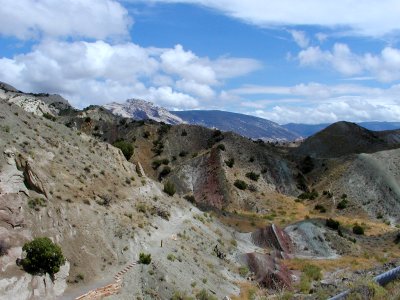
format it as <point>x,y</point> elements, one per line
<point>253,176</point>
<point>333,224</point>
<point>240,184</point>
<point>358,229</point>
<point>144,259</point>
<point>169,188</point>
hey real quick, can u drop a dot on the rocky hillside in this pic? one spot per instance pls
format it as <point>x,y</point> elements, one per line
<point>248,219</point>
<point>143,110</point>
<point>245,125</point>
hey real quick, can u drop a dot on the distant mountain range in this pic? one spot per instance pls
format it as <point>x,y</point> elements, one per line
<point>245,125</point>
<point>306,130</point>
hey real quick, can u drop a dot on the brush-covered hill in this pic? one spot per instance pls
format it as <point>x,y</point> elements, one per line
<point>344,138</point>
<point>306,130</point>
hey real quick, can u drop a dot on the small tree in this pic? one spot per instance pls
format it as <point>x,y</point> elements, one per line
<point>42,256</point>
<point>126,148</point>
<point>169,188</point>
<point>144,259</point>
<point>240,184</point>
<point>357,229</point>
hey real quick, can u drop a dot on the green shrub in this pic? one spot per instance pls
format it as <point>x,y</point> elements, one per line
<point>253,176</point>
<point>333,224</point>
<point>240,184</point>
<point>204,295</point>
<point>126,148</point>
<point>164,172</point>
<point>183,153</point>
<point>178,295</point>
<point>36,203</point>
<point>312,271</point>
<point>144,259</point>
<point>342,204</point>
<point>221,147</point>
<point>309,195</point>
<point>320,207</point>
<point>146,134</point>
<point>171,257</point>
<point>42,256</point>
<point>49,116</point>
<point>230,162</point>
<point>190,198</point>
<point>243,271</point>
<point>169,188</point>
<point>357,229</point>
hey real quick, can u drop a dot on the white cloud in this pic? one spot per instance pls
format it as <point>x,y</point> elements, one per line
<point>200,90</point>
<point>300,38</point>
<point>384,66</point>
<point>368,17</point>
<point>320,103</point>
<point>98,19</point>
<point>99,72</point>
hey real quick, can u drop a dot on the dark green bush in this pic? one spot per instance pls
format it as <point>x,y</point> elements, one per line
<point>342,204</point>
<point>146,134</point>
<point>253,176</point>
<point>169,188</point>
<point>49,116</point>
<point>42,256</point>
<point>184,133</point>
<point>190,198</point>
<point>240,184</point>
<point>164,172</point>
<point>357,229</point>
<point>309,195</point>
<point>183,153</point>
<point>126,148</point>
<point>221,147</point>
<point>144,259</point>
<point>230,162</point>
<point>320,207</point>
<point>333,224</point>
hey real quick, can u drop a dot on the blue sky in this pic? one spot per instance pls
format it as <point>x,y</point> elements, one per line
<point>289,61</point>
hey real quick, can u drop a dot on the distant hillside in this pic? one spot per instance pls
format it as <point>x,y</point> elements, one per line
<point>306,130</point>
<point>343,138</point>
<point>142,110</point>
<point>245,125</point>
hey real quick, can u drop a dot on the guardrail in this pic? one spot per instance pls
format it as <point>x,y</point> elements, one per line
<point>381,279</point>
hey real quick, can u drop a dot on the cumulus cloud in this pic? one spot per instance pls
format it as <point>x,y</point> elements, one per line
<point>321,102</point>
<point>99,72</point>
<point>98,19</point>
<point>369,17</point>
<point>300,38</point>
<point>384,66</point>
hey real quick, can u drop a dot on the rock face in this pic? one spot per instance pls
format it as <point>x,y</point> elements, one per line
<point>142,110</point>
<point>274,238</point>
<point>37,104</point>
<point>11,179</point>
<point>269,272</point>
